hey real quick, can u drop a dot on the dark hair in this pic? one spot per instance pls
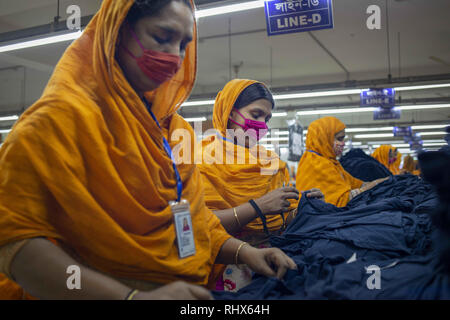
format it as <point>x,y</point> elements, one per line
<point>252,93</point>
<point>148,8</point>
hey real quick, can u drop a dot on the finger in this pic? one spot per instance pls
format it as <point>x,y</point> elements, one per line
<point>286,204</point>
<point>290,195</point>
<point>279,261</point>
<point>291,263</point>
<point>281,271</point>
<point>315,194</point>
<point>200,293</point>
<point>265,267</point>
<point>290,189</point>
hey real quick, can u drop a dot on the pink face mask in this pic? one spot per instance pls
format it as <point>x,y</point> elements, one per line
<point>338,148</point>
<point>156,65</point>
<point>255,129</point>
<point>392,160</point>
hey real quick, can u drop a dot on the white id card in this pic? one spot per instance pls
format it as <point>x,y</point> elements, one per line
<point>183,227</point>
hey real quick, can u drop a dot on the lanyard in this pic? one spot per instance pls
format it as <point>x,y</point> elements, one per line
<point>226,139</point>
<point>168,150</point>
<point>314,152</point>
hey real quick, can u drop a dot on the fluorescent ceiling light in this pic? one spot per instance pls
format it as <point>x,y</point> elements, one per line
<point>326,94</point>
<point>430,86</point>
<point>421,127</point>
<point>350,130</point>
<point>280,133</point>
<point>424,127</point>
<point>391,135</point>
<point>9,118</point>
<point>434,144</point>
<point>404,151</point>
<point>423,107</point>
<point>195,119</point>
<point>433,133</point>
<point>279,114</point>
<point>359,110</point>
<point>5,131</point>
<point>40,42</point>
<point>274,139</point>
<point>400,141</point>
<point>399,145</point>
<point>198,103</point>
<point>316,94</point>
<point>229,9</point>
<point>335,111</point>
<point>374,135</point>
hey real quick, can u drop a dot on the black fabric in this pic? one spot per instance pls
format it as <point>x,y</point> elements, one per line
<point>435,167</point>
<point>362,166</point>
<point>388,226</point>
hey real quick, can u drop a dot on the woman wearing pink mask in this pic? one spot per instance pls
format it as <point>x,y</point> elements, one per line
<point>246,186</point>
<point>319,167</point>
<point>88,182</point>
<point>389,157</point>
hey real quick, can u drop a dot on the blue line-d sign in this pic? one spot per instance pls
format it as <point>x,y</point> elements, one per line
<point>289,16</point>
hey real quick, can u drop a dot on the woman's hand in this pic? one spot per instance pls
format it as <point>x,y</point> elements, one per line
<point>315,193</point>
<point>276,201</point>
<point>271,262</point>
<point>178,290</point>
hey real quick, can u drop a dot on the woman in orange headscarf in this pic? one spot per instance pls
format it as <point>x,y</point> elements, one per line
<point>409,166</point>
<point>246,185</point>
<point>318,167</point>
<point>89,167</point>
<point>389,157</point>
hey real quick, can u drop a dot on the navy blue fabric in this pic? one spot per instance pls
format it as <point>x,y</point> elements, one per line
<point>364,167</point>
<point>435,167</point>
<point>388,226</point>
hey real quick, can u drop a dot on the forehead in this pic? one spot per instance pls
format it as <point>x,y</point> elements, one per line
<point>261,104</point>
<point>175,17</point>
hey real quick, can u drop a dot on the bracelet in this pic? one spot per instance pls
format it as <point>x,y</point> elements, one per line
<point>131,295</point>
<point>237,252</point>
<point>237,219</point>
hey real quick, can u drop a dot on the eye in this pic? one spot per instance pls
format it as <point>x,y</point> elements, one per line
<point>161,40</point>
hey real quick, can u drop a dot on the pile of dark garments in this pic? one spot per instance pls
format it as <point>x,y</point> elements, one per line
<point>391,242</point>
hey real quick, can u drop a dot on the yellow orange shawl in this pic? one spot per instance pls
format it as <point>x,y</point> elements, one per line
<point>318,167</point>
<point>254,172</point>
<point>382,155</point>
<point>85,165</point>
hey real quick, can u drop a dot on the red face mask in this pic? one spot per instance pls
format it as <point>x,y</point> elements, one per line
<point>156,65</point>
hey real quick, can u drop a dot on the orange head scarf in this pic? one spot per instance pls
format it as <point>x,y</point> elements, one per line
<point>408,164</point>
<point>318,167</point>
<point>382,155</point>
<point>252,172</point>
<point>85,165</point>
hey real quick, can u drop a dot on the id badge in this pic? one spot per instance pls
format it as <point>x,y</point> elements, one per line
<point>183,227</point>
